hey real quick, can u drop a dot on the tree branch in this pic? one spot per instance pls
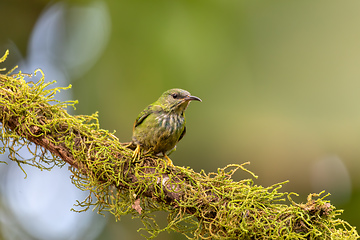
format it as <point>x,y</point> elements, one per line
<point>199,205</point>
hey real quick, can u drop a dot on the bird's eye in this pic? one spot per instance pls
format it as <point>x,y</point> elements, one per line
<point>174,95</point>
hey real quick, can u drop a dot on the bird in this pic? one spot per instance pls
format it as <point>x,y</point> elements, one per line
<point>161,125</point>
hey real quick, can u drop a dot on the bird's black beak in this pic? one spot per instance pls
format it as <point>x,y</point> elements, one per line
<point>190,98</point>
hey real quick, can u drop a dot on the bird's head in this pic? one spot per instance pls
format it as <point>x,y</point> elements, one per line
<point>176,100</point>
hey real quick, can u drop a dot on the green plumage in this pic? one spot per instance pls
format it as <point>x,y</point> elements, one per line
<point>161,125</point>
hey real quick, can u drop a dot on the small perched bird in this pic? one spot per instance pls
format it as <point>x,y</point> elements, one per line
<point>161,125</point>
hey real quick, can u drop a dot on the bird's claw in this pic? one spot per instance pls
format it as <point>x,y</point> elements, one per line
<point>168,160</point>
<point>136,154</point>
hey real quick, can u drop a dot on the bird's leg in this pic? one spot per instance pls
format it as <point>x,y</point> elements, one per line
<point>169,162</point>
<point>136,154</point>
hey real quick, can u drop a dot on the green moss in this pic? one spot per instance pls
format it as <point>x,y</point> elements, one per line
<point>199,205</point>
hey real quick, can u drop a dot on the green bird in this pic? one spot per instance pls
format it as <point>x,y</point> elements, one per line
<point>161,125</point>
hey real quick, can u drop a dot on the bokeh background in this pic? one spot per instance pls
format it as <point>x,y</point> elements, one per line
<point>279,80</point>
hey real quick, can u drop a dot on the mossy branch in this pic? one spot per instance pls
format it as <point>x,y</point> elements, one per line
<point>199,205</point>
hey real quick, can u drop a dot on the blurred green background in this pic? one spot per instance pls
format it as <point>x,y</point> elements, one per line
<point>279,80</point>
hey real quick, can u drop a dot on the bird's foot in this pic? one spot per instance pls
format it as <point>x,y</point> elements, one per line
<point>168,160</point>
<point>136,154</point>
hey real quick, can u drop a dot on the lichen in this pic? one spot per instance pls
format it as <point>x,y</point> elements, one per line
<point>199,205</point>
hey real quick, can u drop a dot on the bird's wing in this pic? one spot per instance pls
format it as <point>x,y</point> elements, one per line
<point>182,134</point>
<point>142,116</point>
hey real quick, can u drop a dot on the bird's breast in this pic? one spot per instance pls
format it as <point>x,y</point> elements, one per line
<point>160,132</point>
<point>171,122</point>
